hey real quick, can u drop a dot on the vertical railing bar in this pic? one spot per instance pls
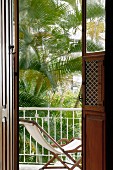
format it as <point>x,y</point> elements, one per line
<point>61,124</point>
<point>80,125</point>
<point>37,151</point>
<point>67,127</point>
<point>42,133</point>
<point>30,142</point>
<point>55,128</point>
<point>48,119</point>
<point>36,142</point>
<point>73,122</point>
<point>73,127</point>
<point>24,137</point>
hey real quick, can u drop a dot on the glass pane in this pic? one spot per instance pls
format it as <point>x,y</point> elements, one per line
<point>95,25</point>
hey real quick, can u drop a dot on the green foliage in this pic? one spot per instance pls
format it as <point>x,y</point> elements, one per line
<point>92,46</point>
<point>65,100</point>
<point>95,10</point>
<point>45,43</point>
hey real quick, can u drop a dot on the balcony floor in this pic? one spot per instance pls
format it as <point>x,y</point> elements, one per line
<point>36,167</point>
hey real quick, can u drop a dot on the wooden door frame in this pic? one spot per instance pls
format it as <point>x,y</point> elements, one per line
<point>9,130</point>
<point>16,89</point>
<point>109,84</point>
<point>0,101</point>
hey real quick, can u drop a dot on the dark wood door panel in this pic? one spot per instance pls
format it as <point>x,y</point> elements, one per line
<point>93,82</point>
<point>94,136</point>
<point>93,112</point>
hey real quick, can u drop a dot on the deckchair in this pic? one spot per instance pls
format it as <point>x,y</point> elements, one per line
<point>74,146</point>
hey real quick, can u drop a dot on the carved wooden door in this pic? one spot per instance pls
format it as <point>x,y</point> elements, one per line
<point>93,112</point>
<point>93,89</point>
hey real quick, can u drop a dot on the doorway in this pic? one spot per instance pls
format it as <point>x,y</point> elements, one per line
<point>50,78</point>
<point>53,54</point>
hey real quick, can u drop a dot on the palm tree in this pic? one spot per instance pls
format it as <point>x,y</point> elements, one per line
<point>47,45</point>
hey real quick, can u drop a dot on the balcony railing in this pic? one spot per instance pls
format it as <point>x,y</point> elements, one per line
<point>58,122</point>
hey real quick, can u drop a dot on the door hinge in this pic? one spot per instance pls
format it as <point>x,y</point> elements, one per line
<point>4,114</point>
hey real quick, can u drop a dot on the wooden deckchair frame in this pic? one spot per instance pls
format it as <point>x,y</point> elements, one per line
<point>55,153</point>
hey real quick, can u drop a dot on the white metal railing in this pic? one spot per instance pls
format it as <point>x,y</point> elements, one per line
<point>58,122</point>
